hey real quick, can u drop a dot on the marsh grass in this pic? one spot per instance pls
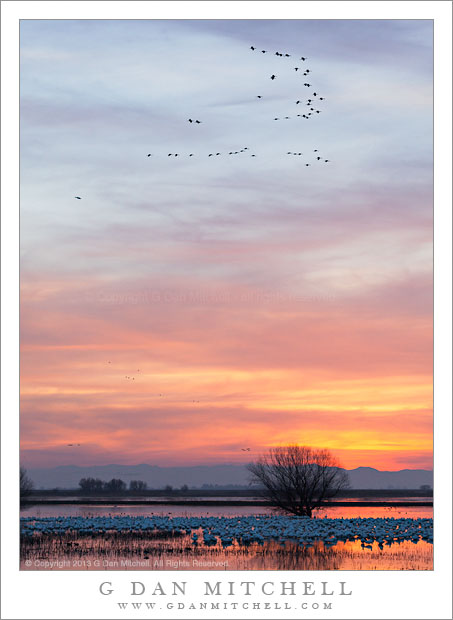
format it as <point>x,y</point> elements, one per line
<point>159,550</point>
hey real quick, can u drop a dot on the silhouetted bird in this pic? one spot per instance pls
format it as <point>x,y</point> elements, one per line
<point>302,58</point>
<point>245,449</point>
<point>326,161</point>
<point>190,120</point>
<point>149,155</point>
<point>217,153</point>
<point>287,55</point>
<point>78,197</point>
<point>318,158</point>
<point>296,68</point>
<point>251,47</point>
<point>321,98</point>
<point>198,122</point>
<point>191,155</point>
<point>169,154</point>
<point>315,150</point>
<point>276,119</point>
<point>307,164</point>
<point>252,155</point>
<point>210,155</point>
<point>297,101</point>
<point>259,97</point>
<point>314,94</point>
<point>273,77</point>
<point>263,51</point>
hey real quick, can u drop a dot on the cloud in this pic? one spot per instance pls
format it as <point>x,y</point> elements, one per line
<point>285,298</point>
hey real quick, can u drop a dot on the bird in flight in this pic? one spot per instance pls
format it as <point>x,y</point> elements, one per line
<point>302,58</point>
<point>149,154</point>
<point>245,449</point>
<point>259,97</point>
<point>251,47</point>
<point>78,197</point>
<point>198,122</point>
<point>273,77</point>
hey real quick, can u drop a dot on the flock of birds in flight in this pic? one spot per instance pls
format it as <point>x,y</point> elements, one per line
<point>310,103</point>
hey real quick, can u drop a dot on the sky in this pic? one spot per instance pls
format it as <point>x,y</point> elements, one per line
<point>190,306</point>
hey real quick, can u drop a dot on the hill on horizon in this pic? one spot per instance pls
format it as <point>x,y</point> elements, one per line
<point>68,476</point>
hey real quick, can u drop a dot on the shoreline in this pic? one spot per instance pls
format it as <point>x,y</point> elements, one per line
<point>125,502</point>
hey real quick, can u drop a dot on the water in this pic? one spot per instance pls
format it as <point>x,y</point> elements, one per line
<point>169,551</point>
<point>86,510</point>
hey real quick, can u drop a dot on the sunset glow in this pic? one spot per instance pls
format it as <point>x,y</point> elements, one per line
<point>181,311</point>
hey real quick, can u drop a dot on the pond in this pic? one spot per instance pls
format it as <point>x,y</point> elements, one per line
<point>157,540</point>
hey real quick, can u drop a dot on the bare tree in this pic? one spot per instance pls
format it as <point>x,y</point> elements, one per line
<point>26,484</point>
<point>137,485</point>
<point>298,479</point>
<point>91,485</point>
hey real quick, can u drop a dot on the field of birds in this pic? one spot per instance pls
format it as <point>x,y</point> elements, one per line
<point>258,542</point>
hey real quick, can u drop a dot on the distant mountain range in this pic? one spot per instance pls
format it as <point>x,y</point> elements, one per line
<point>68,476</point>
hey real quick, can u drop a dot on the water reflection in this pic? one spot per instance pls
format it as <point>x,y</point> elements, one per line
<point>115,551</point>
<point>334,512</point>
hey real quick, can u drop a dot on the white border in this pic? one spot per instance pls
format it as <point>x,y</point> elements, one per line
<point>375,595</point>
